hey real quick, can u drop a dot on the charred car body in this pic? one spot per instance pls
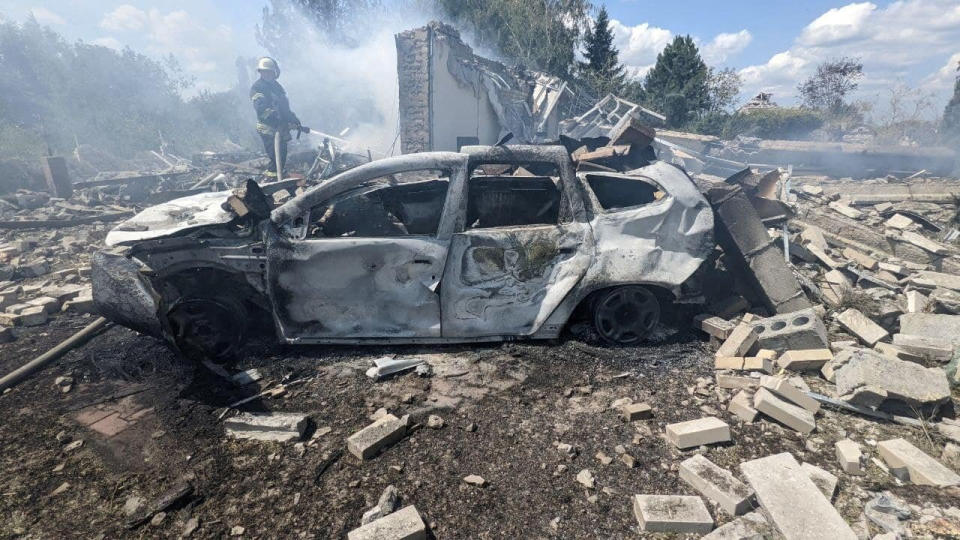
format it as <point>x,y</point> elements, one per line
<point>490,243</point>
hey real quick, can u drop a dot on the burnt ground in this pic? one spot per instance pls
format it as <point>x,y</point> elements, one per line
<point>522,397</point>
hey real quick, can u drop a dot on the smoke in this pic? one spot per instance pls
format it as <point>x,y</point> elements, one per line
<point>334,86</point>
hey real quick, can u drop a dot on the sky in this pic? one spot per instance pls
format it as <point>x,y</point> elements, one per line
<point>772,44</point>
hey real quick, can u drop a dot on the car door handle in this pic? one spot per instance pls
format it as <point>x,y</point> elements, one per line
<point>422,261</point>
<point>567,250</point>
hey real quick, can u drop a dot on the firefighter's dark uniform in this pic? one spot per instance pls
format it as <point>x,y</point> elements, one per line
<point>273,113</point>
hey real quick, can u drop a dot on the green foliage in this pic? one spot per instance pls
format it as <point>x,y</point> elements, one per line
<point>724,87</point>
<point>603,70</point>
<point>61,94</point>
<point>710,123</point>
<point>678,85</point>
<point>773,123</point>
<point>827,89</point>
<point>537,34</point>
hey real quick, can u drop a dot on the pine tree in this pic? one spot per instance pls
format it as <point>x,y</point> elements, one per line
<point>678,85</point>
<point>603,70</point>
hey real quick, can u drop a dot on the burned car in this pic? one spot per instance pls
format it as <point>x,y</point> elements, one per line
<point>490,243</point>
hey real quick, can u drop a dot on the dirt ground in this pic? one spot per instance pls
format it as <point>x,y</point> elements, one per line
<point>522,398</point>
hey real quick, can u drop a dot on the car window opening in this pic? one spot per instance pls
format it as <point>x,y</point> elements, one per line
<point>500,195</point>
<point>614,192</point>
<point>411,206</point>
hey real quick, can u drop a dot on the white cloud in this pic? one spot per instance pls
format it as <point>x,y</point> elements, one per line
<point>944,78</point>
<point>639,45</point>
<point>891,41</point>
<point>838,24</point>
<point>109,42</point>
<point>207,52</point>
<point>47,17</point>
<point>124,17</point>
<point>725,46</point>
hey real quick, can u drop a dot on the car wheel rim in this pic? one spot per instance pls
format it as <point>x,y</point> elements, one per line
<point>626,315</point>
<point>209,327</point>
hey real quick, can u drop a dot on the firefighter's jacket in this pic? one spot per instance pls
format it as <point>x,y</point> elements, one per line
<point>273,108</point>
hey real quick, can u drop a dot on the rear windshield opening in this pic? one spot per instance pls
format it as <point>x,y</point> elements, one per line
<point>616,192</point>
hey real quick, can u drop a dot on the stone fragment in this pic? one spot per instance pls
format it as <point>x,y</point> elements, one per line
<point>435,422</point>
<point>933,325</point>
<point>672,514</point>
<point>850,458</point>
<point>908,462</point>
<point>862,259</point>
<point>585,478</point>
<point>792,501</point>
<point>798,330</point>
<point>709,430</point>
<point>717,484</point>
<point>714,326</point>
<point>726,380</point>
<point>385,506</point>
<point>813,236</point>
<point>786,413</point>
<point>742,406</point>
<point>925,347</point>
<point>924,243</point>
<point>859,325</point>
<point>824,480</point>
<point>728,362</point>
<point>32,316</point>
<point>822,256</point>
<point>636,411</point>
<point>279,427</point>
<point>845,210</point>
<point>743,337</point>
<point>783,388</point>
<point>899,221</point>
<point>805,360</point>
<point>752,526</point>
<point>917,302</point>
<point>370,440</point>
<point>475,480</point>
<point>868,378</point>
<point>404,524</point>
<point>190,527</point>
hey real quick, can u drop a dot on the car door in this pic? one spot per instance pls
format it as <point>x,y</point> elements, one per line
<point>522,249</point>
<point>365,262</point>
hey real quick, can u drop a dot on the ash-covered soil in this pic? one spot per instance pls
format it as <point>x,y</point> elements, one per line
<point>522,398</point>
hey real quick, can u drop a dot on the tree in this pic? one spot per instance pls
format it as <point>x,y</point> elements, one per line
<point>340,21</point>
<point>603,70</point>
<point>724,87</point>
<point>537,34</point>
<point>834,80</point>
<point>678,84</point>
<point>951,114</point>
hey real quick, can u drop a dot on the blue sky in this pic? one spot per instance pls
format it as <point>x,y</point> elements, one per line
<point>773,44</point>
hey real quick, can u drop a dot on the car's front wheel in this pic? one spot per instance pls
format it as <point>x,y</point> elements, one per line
<point>208,326</point>
<point>626,315</point>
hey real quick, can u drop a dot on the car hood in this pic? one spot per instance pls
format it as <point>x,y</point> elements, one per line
<point>172,217</point>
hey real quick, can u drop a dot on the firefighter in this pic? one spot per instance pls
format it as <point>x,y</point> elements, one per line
<point>273,112</point>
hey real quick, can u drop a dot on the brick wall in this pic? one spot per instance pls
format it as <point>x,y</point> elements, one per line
<point>413,61</point>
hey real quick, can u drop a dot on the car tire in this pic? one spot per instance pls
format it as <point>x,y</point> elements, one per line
<point>625,315</point>
<point>208,327</point>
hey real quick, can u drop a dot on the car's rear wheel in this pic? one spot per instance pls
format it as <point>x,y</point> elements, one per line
<point>208,327</point>
<point>626,315</point>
